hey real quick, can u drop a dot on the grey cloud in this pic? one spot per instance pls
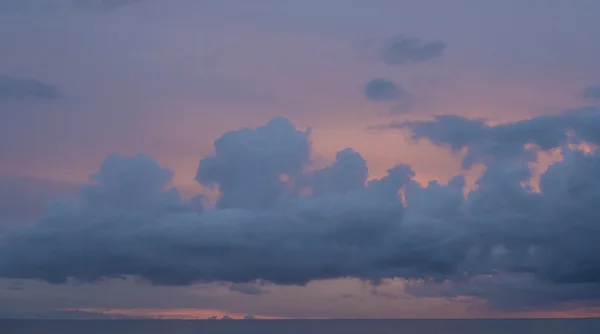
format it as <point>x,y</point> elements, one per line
<point>507,141</point>
<point>383,90</point>
<point>129,221</point>
<point>512,292</point>
<point>27,88</point>
<point>403,50</point>
<point>267,153</point>
<point>592,92</point>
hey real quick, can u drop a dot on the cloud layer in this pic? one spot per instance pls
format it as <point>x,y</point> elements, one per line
<point>278,221</point>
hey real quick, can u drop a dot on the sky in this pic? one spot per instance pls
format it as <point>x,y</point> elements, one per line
<point>299,159</point>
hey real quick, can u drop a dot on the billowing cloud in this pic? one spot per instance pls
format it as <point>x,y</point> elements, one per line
<point>27,88</point>
<point>277,221</point>
<point>383,90</point>
<point>592,92</point>
<point>404,50</point>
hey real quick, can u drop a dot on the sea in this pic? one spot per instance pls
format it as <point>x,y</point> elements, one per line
<point>496,326</point>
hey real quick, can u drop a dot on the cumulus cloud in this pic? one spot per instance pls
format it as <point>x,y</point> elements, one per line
<point>592,92</point>
<point>27,88</point>
<point>277,222</point>
<point>383,90</point>
<point>404,50</point>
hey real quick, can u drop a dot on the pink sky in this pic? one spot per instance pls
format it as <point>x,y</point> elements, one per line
<point>167,78</point>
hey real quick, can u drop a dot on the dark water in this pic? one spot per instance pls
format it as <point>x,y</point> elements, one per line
<point>583,326</point>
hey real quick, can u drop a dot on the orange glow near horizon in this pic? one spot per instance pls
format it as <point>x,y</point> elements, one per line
<point>202,314</point>
<point>175,313</point>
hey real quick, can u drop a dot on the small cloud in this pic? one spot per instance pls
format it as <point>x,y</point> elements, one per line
<point>27,89</point>
<point>592,93</point>
<point>249,317</point>
<point>402,50</point>
<point>383,90</point>
<point>214,317</point>
<point>226,317</point>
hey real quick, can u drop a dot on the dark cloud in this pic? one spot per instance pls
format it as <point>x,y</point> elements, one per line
<point>403,50</point>
<point>267,227</point>
<point>383,90</point>
<point>27,88</point>
<point>267,154</point>
<point>512,292</point>
<point>592,92</point>
<point>507,141</point>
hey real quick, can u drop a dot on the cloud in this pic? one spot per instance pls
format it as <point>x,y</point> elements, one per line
<point>14,88</point>
<point>511,293</point>
<point>403,50</point>
<point>383,90</point>
<point>592,92</point>
<point>506,141</point>
<point>277,222</point>
<point>248,164</point>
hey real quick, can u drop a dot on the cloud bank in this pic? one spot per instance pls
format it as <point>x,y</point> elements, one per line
<point>277,221</point>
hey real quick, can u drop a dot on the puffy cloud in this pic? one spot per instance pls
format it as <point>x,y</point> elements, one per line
<point>248,164</point>
<point>129,221</point>
<point>383,90</point>
<point>403,50</point>
<point>592,92</point>
<point>27,88</point>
